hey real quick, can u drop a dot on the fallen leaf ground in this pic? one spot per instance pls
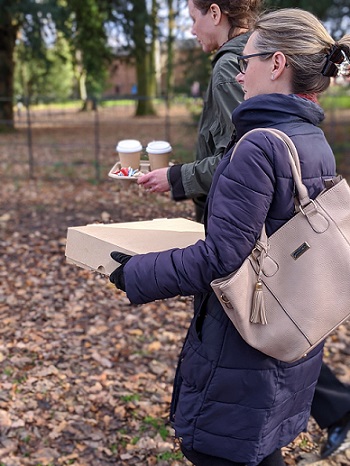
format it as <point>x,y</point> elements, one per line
<point>85,377</point>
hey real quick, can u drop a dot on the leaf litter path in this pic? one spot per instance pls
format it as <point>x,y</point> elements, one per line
<point>85,377</point>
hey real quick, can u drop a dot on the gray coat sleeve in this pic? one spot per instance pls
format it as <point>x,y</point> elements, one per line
<point>197,176</point>
<point>215,128</point>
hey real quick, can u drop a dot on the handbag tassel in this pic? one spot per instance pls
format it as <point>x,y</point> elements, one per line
<point>258,314</point>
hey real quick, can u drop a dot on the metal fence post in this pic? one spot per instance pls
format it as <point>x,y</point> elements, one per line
<point>29,139</point>
<point>167,118</point>
<point>97,141</point>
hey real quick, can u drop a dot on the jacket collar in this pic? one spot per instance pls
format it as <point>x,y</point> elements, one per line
<point>234,45</point>
<point>275,109</point>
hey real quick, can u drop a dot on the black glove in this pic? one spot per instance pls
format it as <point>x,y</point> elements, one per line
<point>117,276</point>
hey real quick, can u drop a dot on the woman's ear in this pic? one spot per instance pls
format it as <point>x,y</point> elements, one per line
<point>215,13</point>
<point>279,63</point>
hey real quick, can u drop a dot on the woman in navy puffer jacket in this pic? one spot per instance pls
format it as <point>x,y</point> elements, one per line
<point>233,405</point>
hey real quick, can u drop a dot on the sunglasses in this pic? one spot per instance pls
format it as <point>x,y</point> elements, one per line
<point>243,60</point>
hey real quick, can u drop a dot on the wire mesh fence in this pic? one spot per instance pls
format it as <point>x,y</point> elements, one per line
<point>52,141</point>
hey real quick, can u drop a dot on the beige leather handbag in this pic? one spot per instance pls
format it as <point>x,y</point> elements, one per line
<point>294,288</point>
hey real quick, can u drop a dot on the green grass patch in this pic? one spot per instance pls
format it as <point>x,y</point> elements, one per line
<point>170,456</point>
<point>130,398</point>
<point>157,424</point>
<point>117,103</point>
<point>336,99</point>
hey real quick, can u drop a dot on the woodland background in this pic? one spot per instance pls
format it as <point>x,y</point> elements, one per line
<point>59,49</point>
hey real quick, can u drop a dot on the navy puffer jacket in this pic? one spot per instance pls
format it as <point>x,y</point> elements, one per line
<point>230,400</point>
<point>256,185</point>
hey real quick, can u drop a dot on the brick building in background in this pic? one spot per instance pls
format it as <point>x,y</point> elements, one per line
<point>123,80</point>
<point>122,76</point>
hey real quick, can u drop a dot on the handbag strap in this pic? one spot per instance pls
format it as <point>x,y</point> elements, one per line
<point>302,192</point>
<point>306,205</point>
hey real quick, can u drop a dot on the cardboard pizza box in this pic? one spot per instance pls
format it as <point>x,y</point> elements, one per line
<point>90,246</point>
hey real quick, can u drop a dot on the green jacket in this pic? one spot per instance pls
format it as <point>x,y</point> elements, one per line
<point>193,180</point>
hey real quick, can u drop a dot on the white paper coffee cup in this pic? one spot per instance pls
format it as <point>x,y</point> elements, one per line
<point>158,154</point>
<point>129,151</point>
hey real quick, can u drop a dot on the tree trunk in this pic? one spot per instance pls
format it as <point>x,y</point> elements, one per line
<point>143,56</point>
<point>170,50</point>
<point>153,49</point>
<point>8,33</point>
<point>145,103</point>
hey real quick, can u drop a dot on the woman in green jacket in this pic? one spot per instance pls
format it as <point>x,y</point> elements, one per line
<point>221,27</point>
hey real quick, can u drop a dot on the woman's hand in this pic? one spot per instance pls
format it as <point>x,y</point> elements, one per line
<point>156,181</point>
<point>117,276</point>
